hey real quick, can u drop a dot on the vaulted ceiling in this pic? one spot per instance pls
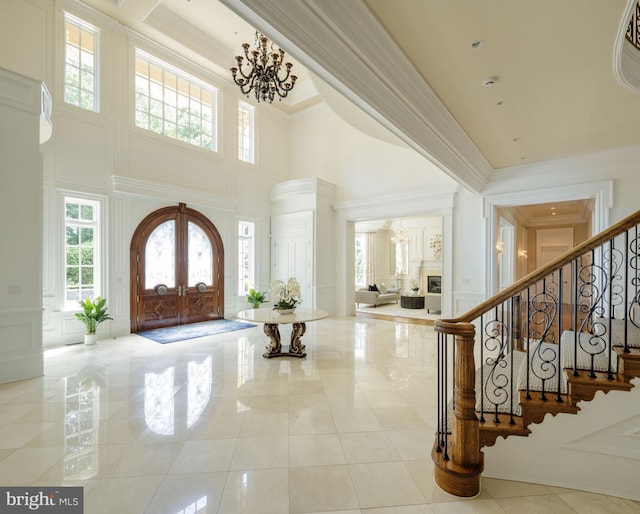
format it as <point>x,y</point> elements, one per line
<point>421,68</point>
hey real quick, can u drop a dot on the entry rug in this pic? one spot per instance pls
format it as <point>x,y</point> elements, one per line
<point>193,330</point>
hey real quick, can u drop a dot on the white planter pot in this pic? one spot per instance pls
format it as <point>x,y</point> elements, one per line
<point>90,339</point>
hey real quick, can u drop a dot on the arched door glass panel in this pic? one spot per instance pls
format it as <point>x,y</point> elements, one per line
<point>200,256</point>
<point>177,270</point>
<point>160,256</point>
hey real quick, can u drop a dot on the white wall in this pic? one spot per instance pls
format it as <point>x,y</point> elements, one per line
<point>20,228</point>
<point>323,145</point>
<point>594,450</point>
<point>133,171</point>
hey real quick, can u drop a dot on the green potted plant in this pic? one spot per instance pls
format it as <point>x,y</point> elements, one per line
<point>255,298</point>
<point>94,312</point>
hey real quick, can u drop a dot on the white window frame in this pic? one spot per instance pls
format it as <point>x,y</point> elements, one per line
<point>246,132</point>
<point>98,224</point>
<point>83,26</point>
<point>169,122</point>
<point>243,288</point>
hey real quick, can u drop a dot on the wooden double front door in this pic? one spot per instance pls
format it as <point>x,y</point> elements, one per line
<point>177,275</point>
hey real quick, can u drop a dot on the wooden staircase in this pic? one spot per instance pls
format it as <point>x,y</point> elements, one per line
<point>538,356</point>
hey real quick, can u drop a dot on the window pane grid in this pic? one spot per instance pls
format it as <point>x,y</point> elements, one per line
<point>80,64</point>
<point>81,226</point>
<point>246,260</point>
<point>174,106</point>
<point>245,133</point>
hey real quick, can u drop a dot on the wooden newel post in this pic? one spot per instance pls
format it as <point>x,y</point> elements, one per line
<point>460,475</point>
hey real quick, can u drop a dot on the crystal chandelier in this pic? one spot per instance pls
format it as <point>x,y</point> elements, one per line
<point>400,235</point>
<point>262,75</point>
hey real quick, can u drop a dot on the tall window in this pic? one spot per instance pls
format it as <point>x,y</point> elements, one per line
<point>246,256</point>
<point>82,250</point>
<point>172,103</point>
<point>245,132</point>
<point>81,64</point>
<point>361,260</point>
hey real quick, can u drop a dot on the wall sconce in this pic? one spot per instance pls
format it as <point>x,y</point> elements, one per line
<point>500,247</point>
<point>522,254</point>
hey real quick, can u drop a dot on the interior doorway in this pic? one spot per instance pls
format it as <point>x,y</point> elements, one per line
<point>177,270</point>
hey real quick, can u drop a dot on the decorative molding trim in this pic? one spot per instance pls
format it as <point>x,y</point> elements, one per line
<point>626,57</point>
<point>171,25</point>
<point>135,187</point>
<point>315,186</point>
<point>436,200</point>
<point>20,92</point>
<point>597,163</point>
<point>343,43</point>
<point>601,192</point>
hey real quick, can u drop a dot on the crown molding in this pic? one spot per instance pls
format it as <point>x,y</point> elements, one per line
<point>303,186</point>
<point>594,165</point>
<point>344,44</point>
<point>173,26</point>
<point>433,201</point>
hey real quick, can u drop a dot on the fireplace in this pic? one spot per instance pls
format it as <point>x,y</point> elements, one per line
<point>434,284</point>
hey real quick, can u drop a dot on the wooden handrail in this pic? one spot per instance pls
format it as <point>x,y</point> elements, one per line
<point>533,277</point>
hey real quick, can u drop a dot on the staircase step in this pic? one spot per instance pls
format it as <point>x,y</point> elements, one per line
<point>629,362</point>
<point>535,408</point>
<point>583,387</point>
<point>490,430</point>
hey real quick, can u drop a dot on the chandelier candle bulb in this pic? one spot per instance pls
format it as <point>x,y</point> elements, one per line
<point>262,75</point>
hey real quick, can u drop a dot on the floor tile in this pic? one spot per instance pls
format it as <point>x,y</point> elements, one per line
<point>347,430</point>
<point>322,488</point>
<point>384,484</point>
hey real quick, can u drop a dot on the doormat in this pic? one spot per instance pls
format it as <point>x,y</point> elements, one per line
<point>193,330</point>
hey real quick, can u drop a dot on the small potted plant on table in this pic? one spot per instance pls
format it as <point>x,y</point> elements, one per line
<point>94,312</point>
<point>255,298</point>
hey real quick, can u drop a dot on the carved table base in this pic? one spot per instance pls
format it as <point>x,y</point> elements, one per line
<point>296,348</point>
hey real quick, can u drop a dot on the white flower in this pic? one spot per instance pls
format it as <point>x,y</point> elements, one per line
<point>414,284</point>
<point>285,296</point>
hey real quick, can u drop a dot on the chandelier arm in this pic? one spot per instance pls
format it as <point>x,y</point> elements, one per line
<point>264,67</point>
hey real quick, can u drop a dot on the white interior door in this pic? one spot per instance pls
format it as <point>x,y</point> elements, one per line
<point>292,251</point>
<point>550,244</point>
<point>506,256</point>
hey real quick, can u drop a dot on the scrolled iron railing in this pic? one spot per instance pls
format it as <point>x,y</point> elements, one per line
<point>633,31</point>
<point>572,317</point>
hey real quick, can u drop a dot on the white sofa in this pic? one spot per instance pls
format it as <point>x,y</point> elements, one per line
<point>375,298</point>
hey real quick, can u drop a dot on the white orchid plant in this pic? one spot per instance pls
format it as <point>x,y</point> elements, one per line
<point>285,296</point>
<point>414,284</point>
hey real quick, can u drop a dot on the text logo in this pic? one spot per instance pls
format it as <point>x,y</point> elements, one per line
<point>67,500</point>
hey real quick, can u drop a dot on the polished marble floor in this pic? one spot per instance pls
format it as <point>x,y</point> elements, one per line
<point>210,426</point>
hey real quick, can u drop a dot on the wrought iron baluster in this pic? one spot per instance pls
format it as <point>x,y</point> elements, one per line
<point>481,392</point>
<point>560,329</point>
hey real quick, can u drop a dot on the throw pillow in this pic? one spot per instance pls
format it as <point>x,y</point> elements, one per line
<point>382,288</point>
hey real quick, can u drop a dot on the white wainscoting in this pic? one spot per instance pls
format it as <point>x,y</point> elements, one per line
<point>21,349</point>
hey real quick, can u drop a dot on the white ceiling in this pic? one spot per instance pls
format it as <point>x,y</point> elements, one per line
<point>556,94</point>
<point>553,61</point>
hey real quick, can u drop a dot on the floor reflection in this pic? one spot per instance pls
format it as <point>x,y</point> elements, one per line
<point>84,397</point>
<point>160,395</point>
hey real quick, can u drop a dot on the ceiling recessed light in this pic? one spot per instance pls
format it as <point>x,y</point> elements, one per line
<point>516,139</point>
<point>489,81</point>
<point>499,103</point>
<point>477,44</point>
